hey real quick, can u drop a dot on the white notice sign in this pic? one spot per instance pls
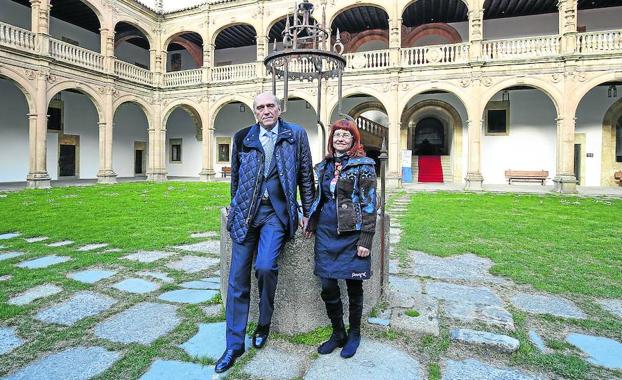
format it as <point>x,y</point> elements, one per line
<point>407,158</point>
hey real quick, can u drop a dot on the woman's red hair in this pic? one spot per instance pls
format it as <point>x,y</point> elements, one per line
<point>357,149</point>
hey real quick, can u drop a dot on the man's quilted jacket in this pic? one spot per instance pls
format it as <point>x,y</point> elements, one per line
<point>293,161</point>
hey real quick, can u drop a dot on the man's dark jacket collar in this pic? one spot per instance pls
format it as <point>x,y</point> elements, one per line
<point>252,137</point>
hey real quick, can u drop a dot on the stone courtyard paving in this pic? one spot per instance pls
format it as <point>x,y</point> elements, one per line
<point>147,314</point>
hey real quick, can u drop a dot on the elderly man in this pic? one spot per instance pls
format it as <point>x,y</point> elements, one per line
<point>269,161</point>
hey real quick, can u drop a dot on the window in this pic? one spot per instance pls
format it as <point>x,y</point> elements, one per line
<point>55,116</point>
<point>175,62</point>
<point>497,117</point>
<point>175,150</point>
<point>224,149</point>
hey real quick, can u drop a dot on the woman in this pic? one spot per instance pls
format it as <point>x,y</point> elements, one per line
<point>343,218</point>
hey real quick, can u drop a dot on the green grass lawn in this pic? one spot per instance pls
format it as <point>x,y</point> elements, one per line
<point>557,244</point>
<point>129,216</point>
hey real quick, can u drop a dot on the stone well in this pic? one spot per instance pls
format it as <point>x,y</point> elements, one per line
<point>298,307</point>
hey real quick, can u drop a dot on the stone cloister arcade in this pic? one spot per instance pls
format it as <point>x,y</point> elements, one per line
<point>161,94</point>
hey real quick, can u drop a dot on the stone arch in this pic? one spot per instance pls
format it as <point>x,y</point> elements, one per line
<point>608,155</point>
<point>547,88</point>
<point>95,7</point>
<point>357,110</point>
<point>409,3</point>
<point>223,27</point>
<point>332,101</point>
<point>447,87</point>
<point>436,107</point>
<point>582,91</point>
<point>84,89</point>
<point>438,28</point>
<point>332,14</point>
<point>193,110</point>
<point>143,29</point>
<point>220,103</point>
<point>24,86</point>
<point>136,100</point>
<point>362,38</point>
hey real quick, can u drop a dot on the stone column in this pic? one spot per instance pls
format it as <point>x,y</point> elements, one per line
<point>395,41</point>
<point>568,25</point>
<point>106,174</point>
<point>156,66</point>
<point>207,173</point>
<point>40,24</point>
<point>262,52</point>
<point>38,177</point>
<point>476,34</point>
<point>474,179</point>
<point>394,170</point>
<point>107,49</point>
<point>565,181</point>
<point>157,147</point>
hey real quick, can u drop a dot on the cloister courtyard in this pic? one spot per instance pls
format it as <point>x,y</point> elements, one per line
<point>123,282</point>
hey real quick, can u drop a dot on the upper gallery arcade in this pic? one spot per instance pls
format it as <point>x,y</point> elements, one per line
<point>461,91</point>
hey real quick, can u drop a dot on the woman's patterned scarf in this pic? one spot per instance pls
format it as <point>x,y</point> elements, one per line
<point>339,163</point>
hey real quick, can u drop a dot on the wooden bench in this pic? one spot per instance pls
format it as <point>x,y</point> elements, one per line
<point>226,170</point>
<point>526,176</point>
<point>618,177</point>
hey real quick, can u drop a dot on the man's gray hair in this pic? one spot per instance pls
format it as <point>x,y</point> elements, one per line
<point>276,100</point>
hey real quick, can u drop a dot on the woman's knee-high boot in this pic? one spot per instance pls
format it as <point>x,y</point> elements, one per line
<point>355,295</point>
<point>334,309</point>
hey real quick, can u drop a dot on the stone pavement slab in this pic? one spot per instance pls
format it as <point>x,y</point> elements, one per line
<point>9,340</point>
<point>193,264</point>
<point>275,364</point>
<point>467,267</point>
<point>208,246</point>
<point>81,305</point>
<point>35,293</point>
<point>142,323</point>
<point>425,323</point>
<point>201,284</point>
<point>209,341</point>
<point>77,363</point>
<point>6,277</point>
<point>61,243</point>
<point>36,239</point>
<point>373,360</point>
<point>148,257</point>
<point>91,276</point>
<point>547,304</point>
<point>394,266</point>
<point>190,296</point>
<point>43,262</point>
<point>471,369</point>
<point>461,293</point>
<point>10,255</point>
<point>487,339</point>
<point>212,310</point>
<point>174,369</point>
<point>601,351</point>
<point>136,286</point>
<point>157,275</point>
<point>9,235</point>
<point>538,342</point>
<point>470,313</point>
<point>403,292</point>
<point>206,234</point>
<point>613,306</point>
<point>92,247</point>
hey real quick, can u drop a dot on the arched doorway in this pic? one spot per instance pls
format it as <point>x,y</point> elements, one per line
<point>432,130</point>
<point>14,153</point>
<point>130,144</point>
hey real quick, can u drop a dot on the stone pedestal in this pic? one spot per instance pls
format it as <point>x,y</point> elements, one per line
<point>106,177</point>
<point>38,181</point>
<point>298,306</point>
<point>156,177</point>
<point>207,175</point>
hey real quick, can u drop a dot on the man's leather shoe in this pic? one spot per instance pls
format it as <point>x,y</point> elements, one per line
<point>260,336</point>
<point>227,360</point>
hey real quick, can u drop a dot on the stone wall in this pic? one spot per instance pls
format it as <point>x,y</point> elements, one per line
<point>298,306</point>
